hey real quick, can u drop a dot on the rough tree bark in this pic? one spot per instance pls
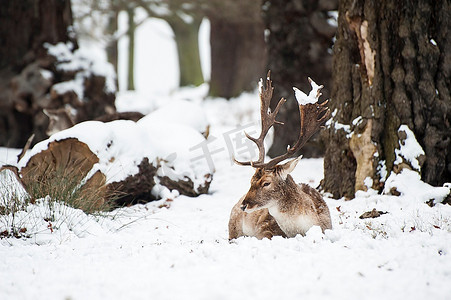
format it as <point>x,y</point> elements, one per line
<point>37,22</point>
<point>28,72</point>
<point>299,43</point>
<point>392,67</point>
<point>238,50</point>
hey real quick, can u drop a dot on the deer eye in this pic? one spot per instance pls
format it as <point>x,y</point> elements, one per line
<point>266,183</point>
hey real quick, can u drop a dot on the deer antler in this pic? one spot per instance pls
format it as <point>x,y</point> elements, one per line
<point>268,119</point>
<point>312,116</point>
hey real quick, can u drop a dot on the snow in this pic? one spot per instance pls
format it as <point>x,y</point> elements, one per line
<point>10,189</point>
<point>63,51</point>
<point>312,97</point>
<point>333,18</point>
<point>75,85</point>
<point>409,149</point>
<point>8,156</point>
<point>180,112</point>
<point>333,123</point>
<point>357,121</point>
<point>178,248</point>
<point>46,74</point>
<point>409,183</point>
<point>382,169</point>
<point>135,101</point>
<point>84,64</point>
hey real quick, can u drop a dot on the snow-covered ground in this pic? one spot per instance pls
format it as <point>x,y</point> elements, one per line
<point>179,249</point>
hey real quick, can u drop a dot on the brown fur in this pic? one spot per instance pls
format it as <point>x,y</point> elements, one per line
<point>264,225</point>
<point>276,205</point>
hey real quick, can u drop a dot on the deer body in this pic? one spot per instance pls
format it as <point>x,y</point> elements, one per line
<point>275,204</point>
<point>307,209</point>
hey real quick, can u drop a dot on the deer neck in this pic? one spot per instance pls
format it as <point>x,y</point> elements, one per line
<point>287,203</point>
<point>291,211</point>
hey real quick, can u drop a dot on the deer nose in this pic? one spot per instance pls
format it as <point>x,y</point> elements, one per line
<point>243,207</point>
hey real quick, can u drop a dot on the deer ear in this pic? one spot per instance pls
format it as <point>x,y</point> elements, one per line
<point>288,167</point>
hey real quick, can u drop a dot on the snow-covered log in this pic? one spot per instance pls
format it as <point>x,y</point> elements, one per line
<point>138,161</point>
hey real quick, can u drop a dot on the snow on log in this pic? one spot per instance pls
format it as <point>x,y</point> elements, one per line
<point>139,161</point>
<point>181,112</point>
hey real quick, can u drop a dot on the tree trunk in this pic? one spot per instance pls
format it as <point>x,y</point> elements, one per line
<point>112,47</point>
<point>38,22</point>
<point>24,27</point>
<point>299,43</point>
<point>131,49</point>
<point>186,37</point>
<point>391,68</point>
<point>238,55</point>
<point>29,74</point>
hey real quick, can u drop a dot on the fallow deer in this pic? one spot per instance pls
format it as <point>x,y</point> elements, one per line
<point>275,205</point>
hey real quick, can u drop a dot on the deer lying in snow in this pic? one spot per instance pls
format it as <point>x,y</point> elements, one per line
<point>275,204</point>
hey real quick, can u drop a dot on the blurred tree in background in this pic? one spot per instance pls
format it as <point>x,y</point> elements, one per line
<point>238,49</point>
<point>184,18</point>
<point>98,21</point>
<point>300,38</point>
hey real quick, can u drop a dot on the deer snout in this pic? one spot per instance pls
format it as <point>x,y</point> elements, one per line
<point>248,206</point>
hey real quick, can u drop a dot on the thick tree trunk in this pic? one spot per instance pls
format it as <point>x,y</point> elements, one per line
<point>187,40</point>
<point>238,55</point>
<point>29,74</point>
<point>24,27</point>
<point>299,43</point>
<point>391,67</point>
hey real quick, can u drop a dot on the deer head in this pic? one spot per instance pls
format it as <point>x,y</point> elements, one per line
<point>267,185</point>
<point>271,179</point>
